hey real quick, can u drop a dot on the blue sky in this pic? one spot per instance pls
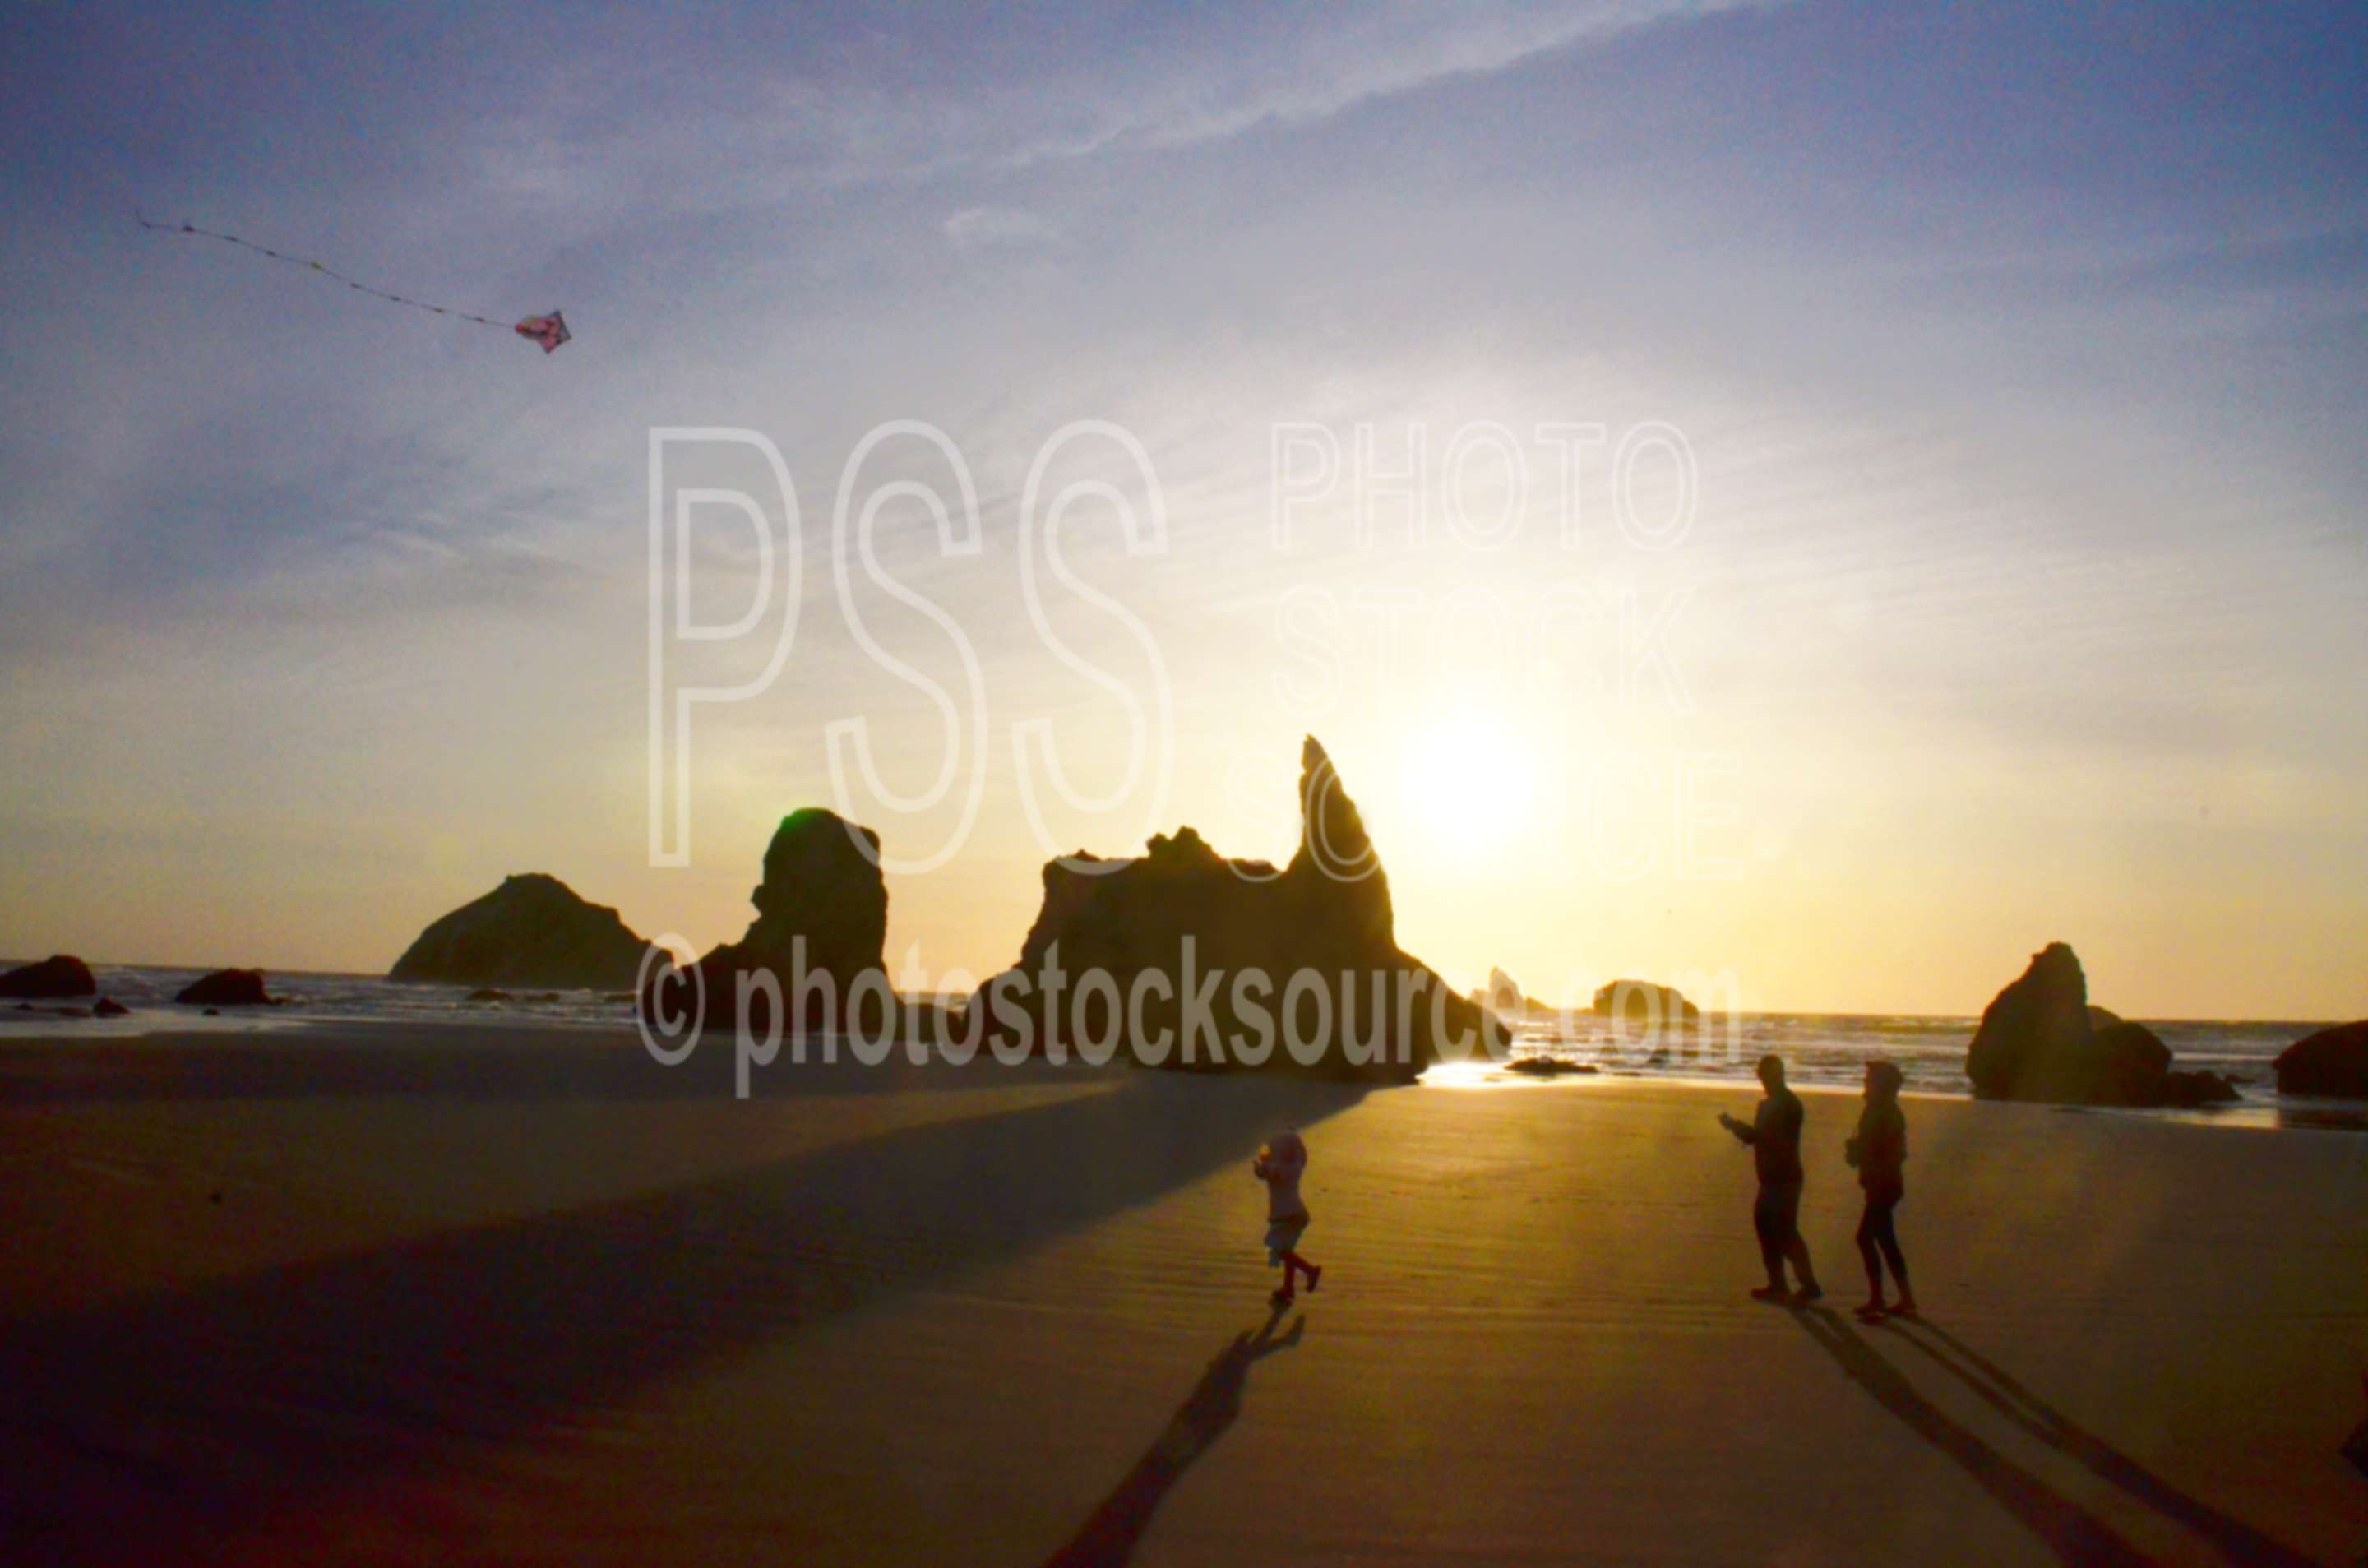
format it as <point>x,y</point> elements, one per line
<point>2020,348</point>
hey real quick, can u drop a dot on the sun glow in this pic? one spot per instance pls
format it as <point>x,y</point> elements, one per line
<point>1470,786</point>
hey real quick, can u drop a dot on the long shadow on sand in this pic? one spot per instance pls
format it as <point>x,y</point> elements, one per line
<point>483,1061</point>
<point>2239,1542</point>
<point>2070,1530</point>
<point>1108,1536</point>
<point>139,1433</point>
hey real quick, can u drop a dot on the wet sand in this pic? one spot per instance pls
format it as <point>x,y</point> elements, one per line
<point>494,1295</point>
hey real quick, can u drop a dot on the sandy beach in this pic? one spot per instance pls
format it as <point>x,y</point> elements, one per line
<point>497,1295</point>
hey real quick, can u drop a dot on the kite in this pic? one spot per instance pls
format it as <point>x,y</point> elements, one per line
<point>549,329</point>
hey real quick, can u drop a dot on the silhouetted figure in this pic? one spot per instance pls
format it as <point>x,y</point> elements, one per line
<point>1880,1153</point>
<point>1775,1139</point>
<point>1281,1164</point>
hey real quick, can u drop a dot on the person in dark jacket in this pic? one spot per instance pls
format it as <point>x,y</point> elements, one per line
<point>1775,1139</point>
<point>1880,1153</point>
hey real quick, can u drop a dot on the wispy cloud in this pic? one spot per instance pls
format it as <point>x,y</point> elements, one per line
<point>753,127</point>
<point>981,228</point>
<point>1330,66</point>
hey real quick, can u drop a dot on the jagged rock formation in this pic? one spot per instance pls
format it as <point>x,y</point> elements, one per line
<point>1642,1001</point>
<point>2039,1040</point>
<point>532,930</point>
<point>227,988</point>
<point>1505,996</point>
<point>821,928</point>
<point>2332,1062</point>
<point>61,975</point>
<point>1308,976</point>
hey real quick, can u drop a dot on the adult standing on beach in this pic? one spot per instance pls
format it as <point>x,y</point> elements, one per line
<point>1880,1153</point>
<point>1775,1139</point>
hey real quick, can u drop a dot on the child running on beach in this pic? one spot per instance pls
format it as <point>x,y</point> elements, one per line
<point>1281,1164</point>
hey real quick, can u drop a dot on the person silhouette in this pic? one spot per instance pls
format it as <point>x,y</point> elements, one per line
<point>1775,1139</point>
<point>1279,1165</point>
<point>1880,1153</point>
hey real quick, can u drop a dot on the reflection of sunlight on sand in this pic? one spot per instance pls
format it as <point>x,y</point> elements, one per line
<point>1464,1075</point>
<point>1492,1075</point>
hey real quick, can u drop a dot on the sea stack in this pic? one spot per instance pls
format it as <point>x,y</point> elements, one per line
<point>59,975</point>
<point>1642,1001</point>
<point>532,931</point>
<point>227,988</point>
<point>1318,936</point>
<point>2332,1063</point>
<point>1506,997</point>
<point>2039,1040</point>
<point>822,913</point>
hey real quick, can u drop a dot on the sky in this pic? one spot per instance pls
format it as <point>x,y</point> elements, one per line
<point>1814,501</point>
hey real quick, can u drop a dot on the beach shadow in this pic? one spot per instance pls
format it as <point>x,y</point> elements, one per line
<point>2072,1532</point>
<point>134,1432</point>
<point>494,1061</point>
<point>1109,1537</point>
<point>2238,1541</point>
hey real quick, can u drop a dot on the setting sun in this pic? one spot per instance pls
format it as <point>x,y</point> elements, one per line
<point>1468,786</point>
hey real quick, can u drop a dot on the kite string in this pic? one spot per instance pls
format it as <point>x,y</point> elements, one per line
<point>321,268</point>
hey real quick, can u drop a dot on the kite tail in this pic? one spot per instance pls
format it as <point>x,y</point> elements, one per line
<point>326,271</point>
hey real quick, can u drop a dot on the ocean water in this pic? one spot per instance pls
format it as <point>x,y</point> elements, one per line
<point>1832,1049</point>
<point>317,998</point>
<point>1829,1049</point>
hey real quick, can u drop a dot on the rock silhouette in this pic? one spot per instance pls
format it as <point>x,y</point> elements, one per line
<point>1642,1001</point>
<point>2332,1062</point>
<point>2201,1087</point>
<point>1317,939</point>
<point>1505,996</point>
<point>227,988</point>
<point>822,884</point>
<point>2039,1040</point>
<point>1549,1067</point>
<point>61,975</point>
<point>822,916</point>
<point>2127,1042</point>
<point>532,930</point>
<point>2035,1035</point>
